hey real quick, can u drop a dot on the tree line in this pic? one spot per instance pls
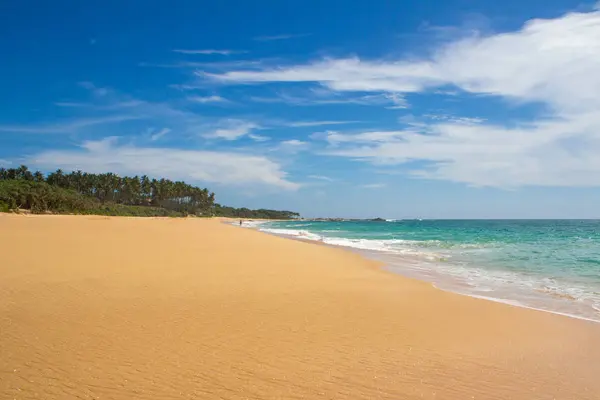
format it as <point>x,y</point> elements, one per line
<point>112,194</point>
<point>134,191</point>
<point>224,211</point>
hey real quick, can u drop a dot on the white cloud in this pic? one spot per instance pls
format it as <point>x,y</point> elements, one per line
<point>5,162</point>
<point>552,62</point>
<point>232,129</point>
<point>343,75</point>
<point>321,178</point>
<point>258,138</point>
<point>301,124</point>
<point>290,147</point>
<point>227,168</point>
<point>280,37</point>
<point>209,51</point>
<point>294,142</point>
<point>70,126</point>
<point>457,120</point>
<point>208,99</point>
<point>550,153</point>
<point>388,100</point>
<point>159,134</point>
<point>398,101</point>
<point>207,65</point>
<point>373,137</point>
<point>183,87</point>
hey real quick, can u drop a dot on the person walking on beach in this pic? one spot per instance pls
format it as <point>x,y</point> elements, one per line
<point>240,222</point>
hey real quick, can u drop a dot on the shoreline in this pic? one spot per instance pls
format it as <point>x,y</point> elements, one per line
<point>396,269</point>
<point>127,308</point>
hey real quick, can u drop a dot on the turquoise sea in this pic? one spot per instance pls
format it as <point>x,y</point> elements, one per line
<point>553,265</point>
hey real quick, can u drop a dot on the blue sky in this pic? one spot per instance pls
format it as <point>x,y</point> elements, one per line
<point>398,109</point>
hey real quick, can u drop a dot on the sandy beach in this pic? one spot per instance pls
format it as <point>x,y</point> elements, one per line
<point>131,308</point>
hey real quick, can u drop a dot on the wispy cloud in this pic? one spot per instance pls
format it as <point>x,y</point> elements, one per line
<point>294,142</point>
<point>208,99</point>
<point>280,37</point>
<point>233,129</point>
<point>179,119</point>
<point>258,138</point>
<point>70,104</point>
<point>374,185</point>
<point>454,119</point>
<point>225,168</point>
<point>336,138</point>
<point>398,101</point>
<point>159,134</point>
<point>560,152</point>
<point>109,107</point>
<point>70,126</point>
<point>544,54</point>
<point>387,100</point>
<point>291,146</point>
<point>209,51</point>
<point>321,178</point>
<point>549,62</point>
<point>210,65</point>
<point>301,124</point>
<point>184,87</point>
<point>98,91</point>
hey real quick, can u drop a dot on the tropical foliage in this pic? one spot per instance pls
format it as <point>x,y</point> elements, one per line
<point>223,211</point>
<point>40,197</point>
<point>110,194</point>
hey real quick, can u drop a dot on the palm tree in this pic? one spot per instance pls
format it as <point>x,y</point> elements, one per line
<point>24,173</point>
<point>109,187</point>
<point>38,176</point>
<point>77,180</point>
<point>145,188</point>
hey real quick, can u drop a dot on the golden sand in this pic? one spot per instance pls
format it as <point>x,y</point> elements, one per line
<point>124,308</point>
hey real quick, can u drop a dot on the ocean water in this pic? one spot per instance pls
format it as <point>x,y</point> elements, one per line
<point>552,265</point>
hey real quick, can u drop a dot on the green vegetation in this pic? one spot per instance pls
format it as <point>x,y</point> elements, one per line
<point>106,194</point>
<point>40,197</point>
<point>222,211</point>
<point>109,194</point>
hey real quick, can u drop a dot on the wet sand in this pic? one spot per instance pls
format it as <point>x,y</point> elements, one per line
<point>127,308</point>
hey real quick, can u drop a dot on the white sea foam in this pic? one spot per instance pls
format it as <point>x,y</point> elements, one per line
<point>249,224</point>
<point>429,260</point>
<point>532,291</point>
<point>396,246</point>
<point>296,233</point>
<point>415,248</point>
<point>519,304</point>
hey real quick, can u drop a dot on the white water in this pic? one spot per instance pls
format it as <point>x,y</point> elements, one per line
<point>401,256</point>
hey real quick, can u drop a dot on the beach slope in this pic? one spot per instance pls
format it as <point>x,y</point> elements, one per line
<point>131,308</point>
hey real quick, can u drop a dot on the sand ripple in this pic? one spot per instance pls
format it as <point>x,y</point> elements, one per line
<point>126,308</point>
